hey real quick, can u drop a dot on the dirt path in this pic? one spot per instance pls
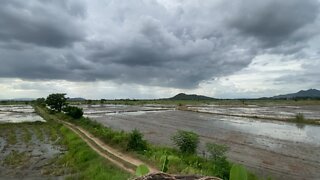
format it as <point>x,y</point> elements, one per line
<point>123,161</point>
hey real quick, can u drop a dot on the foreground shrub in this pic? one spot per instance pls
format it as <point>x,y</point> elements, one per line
<point>186,141</point>
<point>216,151</point>
<point>217,155</point>
<point>73,111</point>
<point>136,142</point>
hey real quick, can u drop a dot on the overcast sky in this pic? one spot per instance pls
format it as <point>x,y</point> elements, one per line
<point>157,48</point>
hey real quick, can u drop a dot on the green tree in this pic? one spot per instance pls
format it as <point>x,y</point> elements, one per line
<point>56,101</point>
<point>136,142</point>
<point>186,141</point>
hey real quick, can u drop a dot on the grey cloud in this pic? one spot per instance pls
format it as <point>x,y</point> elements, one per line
<point>274,21</point>
<point>43,23</point>
<point>142,42</point>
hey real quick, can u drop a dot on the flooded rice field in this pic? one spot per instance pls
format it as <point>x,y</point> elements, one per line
<point>18,113</point>
<point>29,151</point>
<point>269,148</point>
<point>282,112</point>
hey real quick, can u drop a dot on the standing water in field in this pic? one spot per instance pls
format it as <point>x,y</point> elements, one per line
<point>18,113</point>
<point>279,149</point>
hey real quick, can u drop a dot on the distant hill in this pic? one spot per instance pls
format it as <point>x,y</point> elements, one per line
<point>76,99</point>
<point>311,93</point>
<point>183,96</point>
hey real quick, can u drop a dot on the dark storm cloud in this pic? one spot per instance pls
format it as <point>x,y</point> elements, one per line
<point>144,42</point>
<point>43,23</point>
<point>274,21</point>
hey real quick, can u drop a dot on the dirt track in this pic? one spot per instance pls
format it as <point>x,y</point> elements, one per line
<point>123,161</point>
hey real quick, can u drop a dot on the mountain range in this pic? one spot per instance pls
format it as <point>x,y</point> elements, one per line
<point>310,93</point>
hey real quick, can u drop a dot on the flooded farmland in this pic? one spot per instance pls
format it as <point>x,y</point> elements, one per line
<point>281,112</point>
<point>18,113</point>
<point>28,145</point>
<point>269,148</point>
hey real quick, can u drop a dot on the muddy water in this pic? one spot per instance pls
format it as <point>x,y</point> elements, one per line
<point>39,155</point>
<point>18,113</point>
<point>269,148</point>
<point>310,112</point>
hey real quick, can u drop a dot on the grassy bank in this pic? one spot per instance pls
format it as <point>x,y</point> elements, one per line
<point>179,163</point>
<point>81,161</point>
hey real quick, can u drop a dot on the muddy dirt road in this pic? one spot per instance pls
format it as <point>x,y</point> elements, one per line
<point>269,148</point>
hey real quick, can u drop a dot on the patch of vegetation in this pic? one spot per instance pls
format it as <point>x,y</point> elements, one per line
<point>299,118</point>
<point>85,163</point>
<point>16,159</point>
<point>27,136</point>
<point>186,141</point>
<point>217,154</point>
<point>73,111</point>
<point>79,160</point>
<point>11,137</point>
<point>39,133</point>
<point>136,141</point>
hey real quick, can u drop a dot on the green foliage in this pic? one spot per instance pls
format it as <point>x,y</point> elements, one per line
<point>41,102</point>
<point>142,170</point>
<point>164,167</point>
<point>216,151</point>
<point>56,101</point>
<point>16,158</point>
<point>136,142</point>
<point>186,141</point>
<point>238,172</point>
<point>86,163</point>
<point>73,111</point>
<point>299,117</point>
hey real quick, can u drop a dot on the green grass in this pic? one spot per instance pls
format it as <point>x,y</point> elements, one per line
<point>16,159</point>
<point>86,163</point>
<point>11,137</point>
<point>27,136</point>
<point>82,161</point>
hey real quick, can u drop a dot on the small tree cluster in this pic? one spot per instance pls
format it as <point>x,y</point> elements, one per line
<point>186,141</point>
<point>136,142</point>
<point>73,111</point>
<point>58,102</point>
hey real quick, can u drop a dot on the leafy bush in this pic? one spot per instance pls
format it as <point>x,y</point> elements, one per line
<point>186,141</point>
<point>216,151</point>
<point>73,111</point>
<point>136,142</point>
